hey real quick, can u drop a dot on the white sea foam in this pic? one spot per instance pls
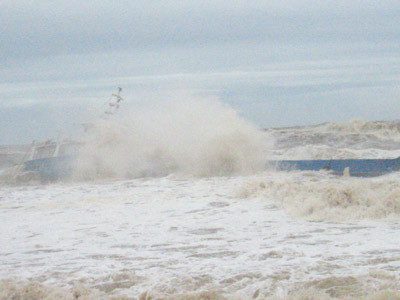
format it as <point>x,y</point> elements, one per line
<point>381,129</point>
<point>322,197</point>
<point>377,285</point>
<point>321,151</point>
<point>32,290</point>
<point>191,237</point>
<point>355,139</point>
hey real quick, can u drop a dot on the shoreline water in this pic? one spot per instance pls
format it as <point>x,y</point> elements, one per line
<point>283,235</point>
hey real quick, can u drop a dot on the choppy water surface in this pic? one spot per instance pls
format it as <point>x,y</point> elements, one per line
<point>271,234</point>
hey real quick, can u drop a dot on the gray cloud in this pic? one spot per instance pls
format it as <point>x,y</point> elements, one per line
<point>43,28</point>
<point>277,62</point>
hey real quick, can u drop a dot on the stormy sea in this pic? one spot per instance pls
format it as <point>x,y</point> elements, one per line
<point>183,207</point>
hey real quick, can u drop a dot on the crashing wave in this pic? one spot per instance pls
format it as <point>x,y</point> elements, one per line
<point>196,137</point>
<point>320,197</point>
<point>376,285</point>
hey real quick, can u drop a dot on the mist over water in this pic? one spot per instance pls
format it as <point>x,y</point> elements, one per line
<point>191,136</point>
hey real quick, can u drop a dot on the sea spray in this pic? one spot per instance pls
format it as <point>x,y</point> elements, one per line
<point>193,136</point>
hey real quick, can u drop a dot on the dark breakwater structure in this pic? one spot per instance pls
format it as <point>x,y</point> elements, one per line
<point>353,167</point>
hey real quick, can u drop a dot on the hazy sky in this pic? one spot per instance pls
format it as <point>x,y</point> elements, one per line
<point>276,62</point>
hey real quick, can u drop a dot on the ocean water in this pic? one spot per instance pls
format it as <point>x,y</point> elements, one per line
<point>155,222</point>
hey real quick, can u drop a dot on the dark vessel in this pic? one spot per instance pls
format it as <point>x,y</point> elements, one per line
<point>55,160</point>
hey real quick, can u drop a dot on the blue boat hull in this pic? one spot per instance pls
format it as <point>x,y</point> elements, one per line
<point>356,167</point>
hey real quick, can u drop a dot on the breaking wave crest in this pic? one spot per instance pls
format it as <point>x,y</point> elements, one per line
<point>354,139</point>
<point>31,290</point>
<point>331,152</point>
<point>319,197</point>
<point>376,285</point>
<point>196,136</point>
<point>383,129</point>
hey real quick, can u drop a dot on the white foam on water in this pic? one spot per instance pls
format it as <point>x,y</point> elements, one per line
<point>185,237</point>
<point>377,285</point>
<point>188,235</point>
<point>330,152</point>
<point>355,139</point>
<point>318,196</point>
<point>380,129</point>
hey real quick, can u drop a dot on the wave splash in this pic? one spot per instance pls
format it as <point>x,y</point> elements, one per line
<point>199,137</point>
<point>320,197</point>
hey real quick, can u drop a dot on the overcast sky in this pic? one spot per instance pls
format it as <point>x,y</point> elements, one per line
<point>277,62</point>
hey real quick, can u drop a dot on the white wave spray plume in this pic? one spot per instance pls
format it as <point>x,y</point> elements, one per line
<point>192,136</point>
